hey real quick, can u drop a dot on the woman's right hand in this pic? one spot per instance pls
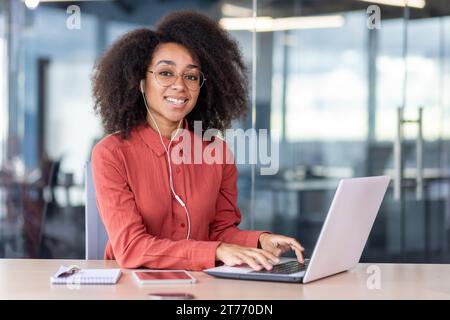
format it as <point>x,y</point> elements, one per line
<point>232,255</point>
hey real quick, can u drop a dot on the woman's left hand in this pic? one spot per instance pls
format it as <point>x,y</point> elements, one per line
<point>278,244</point>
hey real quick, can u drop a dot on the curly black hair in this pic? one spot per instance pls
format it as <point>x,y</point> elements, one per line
<point>118,72</point>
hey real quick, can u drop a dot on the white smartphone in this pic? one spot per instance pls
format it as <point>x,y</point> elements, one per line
<point>163,277</point>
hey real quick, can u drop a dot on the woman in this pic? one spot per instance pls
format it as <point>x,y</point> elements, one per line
<point>159,214</point>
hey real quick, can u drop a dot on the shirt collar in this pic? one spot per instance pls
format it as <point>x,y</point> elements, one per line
<point>152,140</point>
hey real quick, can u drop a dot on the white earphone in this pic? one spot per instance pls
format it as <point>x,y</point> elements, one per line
<point>181,202</point>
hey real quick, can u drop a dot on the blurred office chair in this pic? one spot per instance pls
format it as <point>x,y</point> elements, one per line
<point>37,209</point>
<point>96,236</point>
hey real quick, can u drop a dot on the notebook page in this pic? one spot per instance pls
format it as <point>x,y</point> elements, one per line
<point>89,276</point>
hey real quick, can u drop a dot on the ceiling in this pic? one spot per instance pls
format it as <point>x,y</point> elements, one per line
<point>280,8</point>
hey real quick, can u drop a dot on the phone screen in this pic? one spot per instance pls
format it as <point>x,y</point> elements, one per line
<point>163,275</point>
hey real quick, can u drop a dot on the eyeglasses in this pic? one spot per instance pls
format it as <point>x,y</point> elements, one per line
<point>166,76</point>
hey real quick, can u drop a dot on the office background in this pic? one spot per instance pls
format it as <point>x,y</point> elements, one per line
<point>326,85</point>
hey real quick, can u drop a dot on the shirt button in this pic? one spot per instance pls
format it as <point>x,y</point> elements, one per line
<point>182,225</point>
<point>178,170</point>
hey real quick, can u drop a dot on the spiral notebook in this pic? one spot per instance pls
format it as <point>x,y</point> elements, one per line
<point>86,276</point>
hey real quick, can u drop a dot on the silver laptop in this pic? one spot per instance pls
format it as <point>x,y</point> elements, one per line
<point>341,241</point>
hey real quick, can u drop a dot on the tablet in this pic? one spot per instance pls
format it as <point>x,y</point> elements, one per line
<point>163,277</point>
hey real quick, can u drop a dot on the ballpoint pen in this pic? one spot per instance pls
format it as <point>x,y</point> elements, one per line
<point>65,272</point>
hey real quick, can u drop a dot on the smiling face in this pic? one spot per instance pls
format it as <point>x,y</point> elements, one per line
<point>171,102</point>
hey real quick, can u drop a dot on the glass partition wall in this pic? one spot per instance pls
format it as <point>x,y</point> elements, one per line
<point>357,88</point>
<point>338,89</point>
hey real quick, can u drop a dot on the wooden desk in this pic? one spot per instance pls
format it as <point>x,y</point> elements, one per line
<point>29,279</point>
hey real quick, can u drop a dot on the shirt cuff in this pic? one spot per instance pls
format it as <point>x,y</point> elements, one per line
<point>252,239</point>
<point>203,255</point>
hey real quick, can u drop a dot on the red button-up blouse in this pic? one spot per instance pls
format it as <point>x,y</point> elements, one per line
<point>146,226</point>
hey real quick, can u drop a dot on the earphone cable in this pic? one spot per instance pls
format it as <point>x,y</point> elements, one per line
<point>181,202</point>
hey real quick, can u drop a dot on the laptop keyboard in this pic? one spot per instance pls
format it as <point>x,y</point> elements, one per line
<point>286,268</point>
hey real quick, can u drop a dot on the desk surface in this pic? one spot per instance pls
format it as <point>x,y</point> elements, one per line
<point>29,279</point>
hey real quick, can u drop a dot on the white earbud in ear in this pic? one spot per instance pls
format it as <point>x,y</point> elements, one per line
<point>142,86</point>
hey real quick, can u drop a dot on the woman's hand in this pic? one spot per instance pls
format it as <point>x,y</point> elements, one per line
<point>232,255</point>
<point>279,244</point>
